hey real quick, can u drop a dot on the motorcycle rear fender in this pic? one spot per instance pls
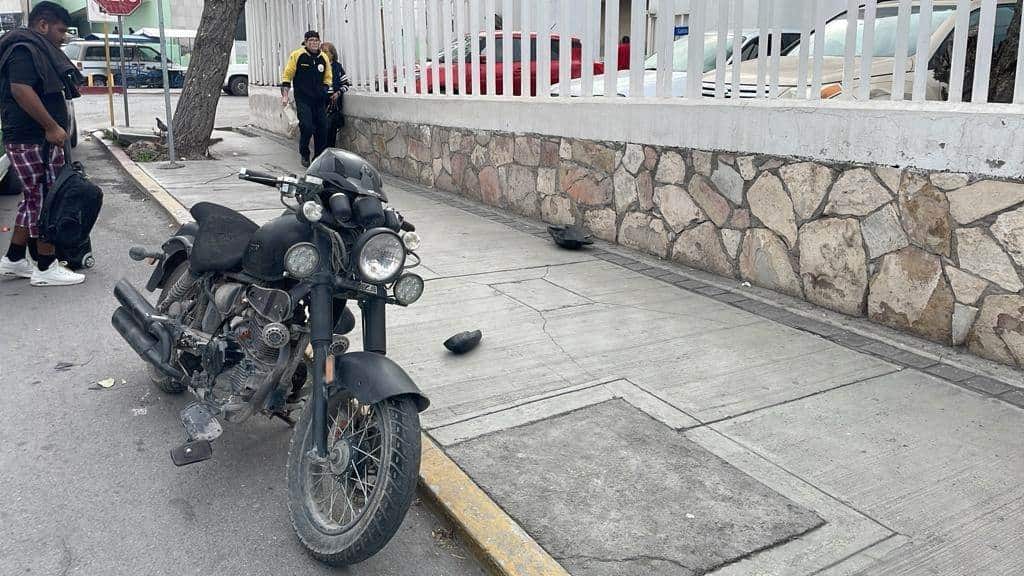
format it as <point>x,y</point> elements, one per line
<point>372,378</point>
<point>176,250</point>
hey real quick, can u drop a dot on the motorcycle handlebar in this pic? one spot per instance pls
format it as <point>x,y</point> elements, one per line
<point>258,177</point>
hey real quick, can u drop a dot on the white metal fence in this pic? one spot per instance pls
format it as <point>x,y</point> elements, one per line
<point>877,49</point>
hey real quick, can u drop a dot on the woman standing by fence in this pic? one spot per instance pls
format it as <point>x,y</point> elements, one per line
<point>335,115</point>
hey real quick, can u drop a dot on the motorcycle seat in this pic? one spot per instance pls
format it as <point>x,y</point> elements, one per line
<point>222,238</point>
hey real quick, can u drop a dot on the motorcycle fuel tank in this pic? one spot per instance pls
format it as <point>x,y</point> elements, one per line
<point>264,258</point>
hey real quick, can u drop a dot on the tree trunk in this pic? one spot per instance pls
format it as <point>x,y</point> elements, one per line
<point>197,108</point>
<point>1004,62</point>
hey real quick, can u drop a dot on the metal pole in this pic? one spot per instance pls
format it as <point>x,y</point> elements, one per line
<point>167,88</point>
<point>110,73</point>
<point>124,73</point>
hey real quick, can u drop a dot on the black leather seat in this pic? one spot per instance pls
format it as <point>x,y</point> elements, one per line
<point>222,239</point>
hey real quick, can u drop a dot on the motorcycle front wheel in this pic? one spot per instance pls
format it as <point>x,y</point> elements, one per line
<point>347,507</point>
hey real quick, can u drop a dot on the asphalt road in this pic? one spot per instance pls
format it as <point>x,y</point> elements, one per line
<point>145,105</point>
<point>86,483</point>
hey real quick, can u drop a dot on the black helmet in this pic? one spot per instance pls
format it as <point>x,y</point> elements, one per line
<point>348,171</point>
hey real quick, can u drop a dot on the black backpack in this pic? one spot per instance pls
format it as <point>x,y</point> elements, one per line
<point>71,204</point>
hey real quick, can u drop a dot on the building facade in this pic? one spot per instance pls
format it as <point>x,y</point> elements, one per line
<point>180,14</point>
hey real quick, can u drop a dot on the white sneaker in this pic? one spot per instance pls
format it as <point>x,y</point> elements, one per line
<point>56,275</point>
<point>20,269</point>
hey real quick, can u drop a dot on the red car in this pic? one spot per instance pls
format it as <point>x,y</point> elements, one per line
<point>462,75</point>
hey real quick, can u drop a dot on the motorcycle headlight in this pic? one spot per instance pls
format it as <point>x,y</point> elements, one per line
<point>313,211</point>
<point>301,260</point>
<point>381,256</point>
<point>412,241</point>
<point>408,289</point>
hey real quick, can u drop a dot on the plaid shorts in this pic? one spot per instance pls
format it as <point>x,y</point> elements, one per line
<point>27,162</point>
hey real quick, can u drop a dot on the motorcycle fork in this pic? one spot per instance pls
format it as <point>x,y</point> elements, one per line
<point>321,315</point>
<point>322,335</point>
<point>375,337</point>
<point>321,328</point>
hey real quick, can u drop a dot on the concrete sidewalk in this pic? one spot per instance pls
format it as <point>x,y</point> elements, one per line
<point>636,417</point>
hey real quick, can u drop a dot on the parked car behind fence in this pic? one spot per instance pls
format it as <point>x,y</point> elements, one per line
<point>942,26</point>
<point>462,72</point>
<point>680,58</point>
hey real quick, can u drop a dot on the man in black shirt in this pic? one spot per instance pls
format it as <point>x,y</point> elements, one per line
<point>308,71</point>
<point>34,113</point>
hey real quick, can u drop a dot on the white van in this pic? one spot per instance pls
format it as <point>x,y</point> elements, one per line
<point>236,83</point>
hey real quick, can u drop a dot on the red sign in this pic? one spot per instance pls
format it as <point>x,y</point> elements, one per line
<point>119,7</point>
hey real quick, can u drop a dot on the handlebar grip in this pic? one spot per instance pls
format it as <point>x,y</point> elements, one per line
<point>247,174</point>
<point>408,226</point>
<point>258,177</point>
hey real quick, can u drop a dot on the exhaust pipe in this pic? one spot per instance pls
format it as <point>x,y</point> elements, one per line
<point>135,303</point>
<point>151,349</point>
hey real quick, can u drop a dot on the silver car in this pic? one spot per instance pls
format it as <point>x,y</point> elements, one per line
<point>90,58</point>
<point>881,81</point>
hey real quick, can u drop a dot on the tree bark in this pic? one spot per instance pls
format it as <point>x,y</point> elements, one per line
<point>197,107</point>
<point>1004,61</point>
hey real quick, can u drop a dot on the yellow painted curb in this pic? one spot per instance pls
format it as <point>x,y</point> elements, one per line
<point>497,538</point>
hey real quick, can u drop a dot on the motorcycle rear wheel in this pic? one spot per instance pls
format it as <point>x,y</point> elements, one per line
<point>346,509</point>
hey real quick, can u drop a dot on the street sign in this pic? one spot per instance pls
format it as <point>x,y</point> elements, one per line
<point>96,14</point>
<point>119,7</point>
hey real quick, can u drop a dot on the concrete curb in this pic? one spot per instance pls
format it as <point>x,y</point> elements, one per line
<point>496,538</point>
<point>174,209</point>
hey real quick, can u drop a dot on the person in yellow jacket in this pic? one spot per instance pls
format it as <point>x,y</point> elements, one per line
<point>308,72</point>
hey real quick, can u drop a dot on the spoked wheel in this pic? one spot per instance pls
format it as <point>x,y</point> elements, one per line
<point>345,508</point>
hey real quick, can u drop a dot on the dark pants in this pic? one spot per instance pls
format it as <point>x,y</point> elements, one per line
<point>335,122</point>
<point>312,124</point>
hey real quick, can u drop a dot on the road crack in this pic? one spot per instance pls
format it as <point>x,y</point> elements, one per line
<point>637,558</point>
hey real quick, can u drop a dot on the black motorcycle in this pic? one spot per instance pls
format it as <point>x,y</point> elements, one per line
<point>252,320</point>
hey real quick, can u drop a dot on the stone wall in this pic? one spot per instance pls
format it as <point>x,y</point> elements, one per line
<point>939,255</point>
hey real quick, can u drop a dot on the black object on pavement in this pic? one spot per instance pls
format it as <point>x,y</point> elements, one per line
<point>569,237</point>
<point>463,342</point>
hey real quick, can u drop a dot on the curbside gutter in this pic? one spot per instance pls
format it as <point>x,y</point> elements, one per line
<point>174,209</point>
<point>499,542</point>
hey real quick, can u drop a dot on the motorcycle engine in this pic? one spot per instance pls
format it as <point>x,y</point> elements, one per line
<point>255,340</point>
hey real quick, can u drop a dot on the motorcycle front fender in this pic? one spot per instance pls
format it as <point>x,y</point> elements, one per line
<point>371,378</point>
<point>176,250</point>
